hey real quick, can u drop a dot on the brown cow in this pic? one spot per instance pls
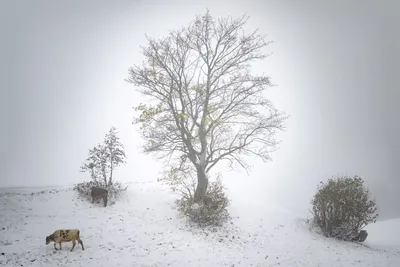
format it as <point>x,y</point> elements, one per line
<point>65,235</point>
<point>97,193</point>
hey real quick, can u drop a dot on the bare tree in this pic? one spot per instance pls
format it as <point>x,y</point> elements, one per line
<point>207,107</point>
<point>105,158</point>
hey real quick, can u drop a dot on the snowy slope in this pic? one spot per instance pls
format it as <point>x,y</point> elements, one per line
<point>142,229</point>
<point>384,234</point>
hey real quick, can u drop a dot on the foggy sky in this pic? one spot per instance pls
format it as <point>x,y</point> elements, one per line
<point>335,64</point>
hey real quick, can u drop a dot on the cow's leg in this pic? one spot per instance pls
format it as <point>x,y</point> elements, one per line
<point>80,242</point>
<point>73,244</point>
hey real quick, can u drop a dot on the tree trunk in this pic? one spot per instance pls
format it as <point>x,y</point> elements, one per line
<point>111,173</point>
<point>103,170</point>
<point>111,169</point>
<point>202,184</point>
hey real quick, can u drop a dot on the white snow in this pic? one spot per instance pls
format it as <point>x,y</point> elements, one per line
<point>384,234</point>
<point>143,229</point>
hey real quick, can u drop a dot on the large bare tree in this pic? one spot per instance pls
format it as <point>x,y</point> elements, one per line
<point>206,105</point>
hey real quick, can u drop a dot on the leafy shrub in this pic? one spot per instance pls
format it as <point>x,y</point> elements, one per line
<point>213,209</point>
<point>342,207</point>
<point>212,212</point>
<point>83,190</point>
<point>114,190</point>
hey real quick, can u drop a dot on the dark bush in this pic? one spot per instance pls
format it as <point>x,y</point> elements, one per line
<point>342,207</point>
<point>83,190</point>
<point>114,190</point>
<point>212,211</point>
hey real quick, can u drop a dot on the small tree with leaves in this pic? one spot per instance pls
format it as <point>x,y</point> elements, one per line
<point>206,106</point>
<point>342,207</point>
<point>103,160</point>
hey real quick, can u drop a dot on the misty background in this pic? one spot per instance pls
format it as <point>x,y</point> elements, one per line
<point>335,64</point>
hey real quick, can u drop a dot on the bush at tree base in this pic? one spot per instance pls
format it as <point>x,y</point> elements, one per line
<point>342,207</point>
<point>114,190</point>
<point>213,209</point>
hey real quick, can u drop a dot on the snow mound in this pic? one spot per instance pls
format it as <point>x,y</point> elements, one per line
<point>143,229</point>
<point>384,234</point>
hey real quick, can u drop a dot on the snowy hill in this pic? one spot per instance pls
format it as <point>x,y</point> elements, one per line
<point>142,229</point>
<point>384,234</point>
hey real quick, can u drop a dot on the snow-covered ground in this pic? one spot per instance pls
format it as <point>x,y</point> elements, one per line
<point>384,234</point>
<point>143,229</point>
